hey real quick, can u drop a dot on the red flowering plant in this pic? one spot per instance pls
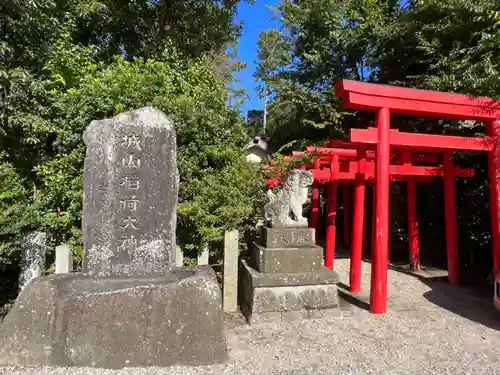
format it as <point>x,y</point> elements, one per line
<point>275,170</point>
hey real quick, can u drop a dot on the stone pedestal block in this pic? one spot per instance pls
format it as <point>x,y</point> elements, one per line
<point>287,259</point>
<point>288,237</point>
<point>115,322</point>
<point>286,279</point>
<point>287,296</point>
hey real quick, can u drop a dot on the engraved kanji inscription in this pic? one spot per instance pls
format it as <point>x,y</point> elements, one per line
<point>303,237</point>
<point>130,204</point>
<point>283,238</point>
<point>131,161</point>
<point>130,182</point>
<point>131,185</point>
<point>276,242</point>
<point>103,186</point>
<point>128,243</point>
<point>131,140</point>
<point>129,222</point>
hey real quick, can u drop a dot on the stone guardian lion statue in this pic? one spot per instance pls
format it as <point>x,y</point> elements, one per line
<point>289,200</point>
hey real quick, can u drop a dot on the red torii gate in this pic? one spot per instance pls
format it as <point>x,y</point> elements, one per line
<point>385,100</point>
<point>346,150</point>
<point>337,160</point>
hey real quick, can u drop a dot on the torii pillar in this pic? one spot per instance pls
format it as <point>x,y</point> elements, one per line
<point>331,220</point>
<point>380,254</point>
<point>493,131</point>
<point>315,205</point>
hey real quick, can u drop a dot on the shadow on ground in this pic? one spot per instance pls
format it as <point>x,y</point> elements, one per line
<point>474,303</point>
<point>355,300</point>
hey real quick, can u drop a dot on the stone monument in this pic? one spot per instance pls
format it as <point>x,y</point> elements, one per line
<point>130,306</point>
<point>285,278</point>
<point>33,257</point>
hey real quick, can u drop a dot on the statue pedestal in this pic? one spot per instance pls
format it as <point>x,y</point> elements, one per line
<point>115,321</point>
<point>285,278</point>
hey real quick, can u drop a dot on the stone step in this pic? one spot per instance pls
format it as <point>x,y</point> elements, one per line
<point>322,276</point>
<point>285,297</point>
<point>284,260</point>
<point>291,316</point>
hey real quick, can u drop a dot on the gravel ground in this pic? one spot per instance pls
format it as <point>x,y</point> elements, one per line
<point>431,328</point>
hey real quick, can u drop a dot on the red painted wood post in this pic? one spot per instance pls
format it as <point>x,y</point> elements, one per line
<point>450,208</point>
<point>374,209</point>
<point>413,243</point>
<point>366,234</point>
<point>493,130</point>
<point>380,254</point>
<point>411,196</point>
<point>358,224</point>
<point>331,220</point>
<point>346,205</point>
<point>314,217</point>
<point>374,218</point>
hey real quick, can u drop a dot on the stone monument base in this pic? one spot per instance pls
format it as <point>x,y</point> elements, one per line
<point>115,322</point>
<point>271,297</point>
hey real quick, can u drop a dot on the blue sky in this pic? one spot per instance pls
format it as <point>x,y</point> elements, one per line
<point>256,18</point>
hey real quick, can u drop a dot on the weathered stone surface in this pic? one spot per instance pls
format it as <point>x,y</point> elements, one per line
<point>129,307</point>
<point>288,259</point>
<point>130,194</point>
<point>230,283</point>
<point>289,199</point>
<point>292,316</point>
<point>113,322</point>
<point>293,298</point>
<point>288,237</point>
<point>282,298</point>
<point>178,256</point>
<point>257,279</point>
<point>33,257</point>
<point>64,259</point>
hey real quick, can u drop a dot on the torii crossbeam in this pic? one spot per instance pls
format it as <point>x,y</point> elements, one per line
<point>334,165</point>
<point>385,100</point>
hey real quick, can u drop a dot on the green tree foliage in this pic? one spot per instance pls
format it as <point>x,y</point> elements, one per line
<point>449,45</point>
<point>64,63</point>
<point>218,187</point>
<point>13,218</point>
<point>453,45</point>
<point>321,41</point>
<point>12,206</point>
